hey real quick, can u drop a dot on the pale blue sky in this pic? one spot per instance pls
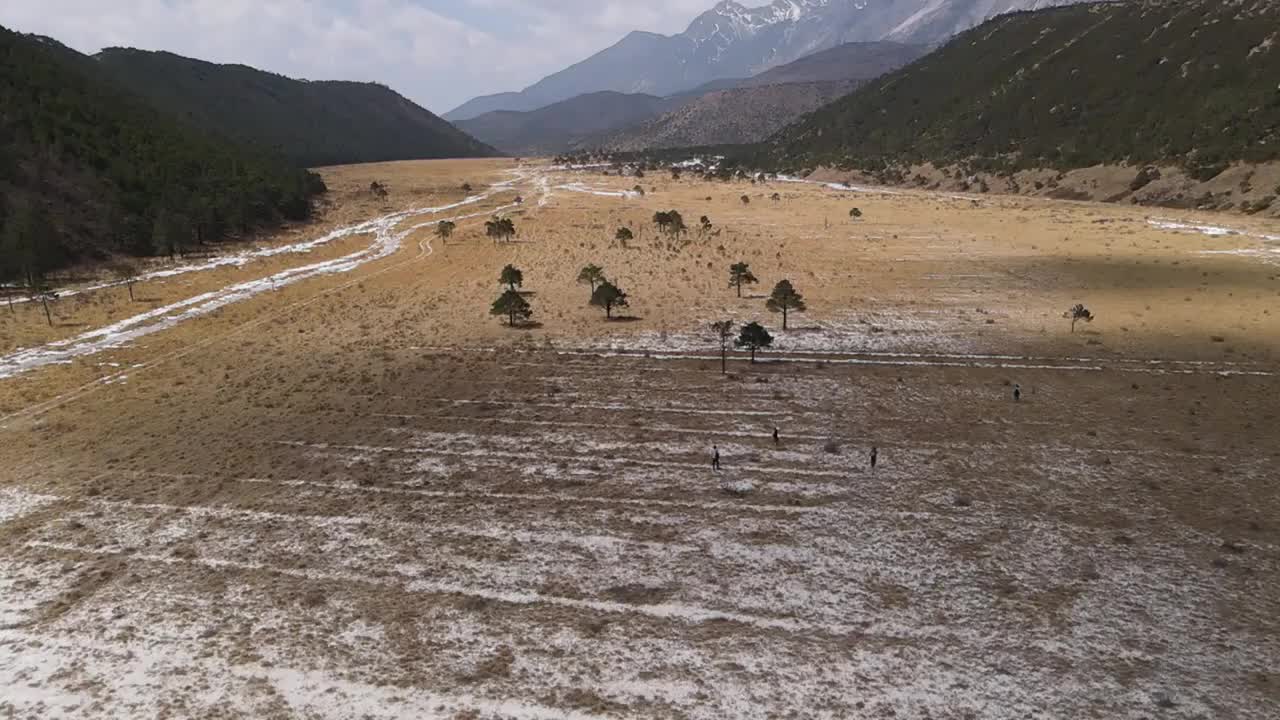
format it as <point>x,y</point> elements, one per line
<point>437,52</point>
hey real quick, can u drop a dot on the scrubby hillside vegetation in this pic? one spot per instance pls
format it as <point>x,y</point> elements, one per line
<point>88,170</point>
<point>311,123</point>
<point>734,116</point>
<point>1194,84</point>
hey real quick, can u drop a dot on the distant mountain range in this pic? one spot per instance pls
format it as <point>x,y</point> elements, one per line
<point>566,124</point>
<point>310,123</point>
<point>734,41</point>
<point>722,111</point>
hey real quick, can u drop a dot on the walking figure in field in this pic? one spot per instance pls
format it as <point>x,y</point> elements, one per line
<point>775,434</point>
<point>715,458</point>
<point>875,455</point>
<point>1017,392</point>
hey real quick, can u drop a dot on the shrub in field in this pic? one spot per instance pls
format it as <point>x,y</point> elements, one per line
<point>1078,313</point>
<point>127,273</point>
<point>724,332</point>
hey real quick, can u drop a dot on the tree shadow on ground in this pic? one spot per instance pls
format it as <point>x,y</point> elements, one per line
<point>531,325</point>
<point>624,318</point>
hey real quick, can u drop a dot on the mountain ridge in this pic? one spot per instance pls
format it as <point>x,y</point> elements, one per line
<point>311,122</point>
<point>1046,89</point>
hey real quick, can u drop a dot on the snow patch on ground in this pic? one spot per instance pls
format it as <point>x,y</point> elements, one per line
<point>15,503</point>
<point>843,187</point>
<point>602,192</point>
<point>1210,230</point>
<point>869,332</point>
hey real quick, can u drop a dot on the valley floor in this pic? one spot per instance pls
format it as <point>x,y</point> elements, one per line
<point>356,494</point>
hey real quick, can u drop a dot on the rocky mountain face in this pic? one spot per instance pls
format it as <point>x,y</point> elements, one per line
<point>732,40</point>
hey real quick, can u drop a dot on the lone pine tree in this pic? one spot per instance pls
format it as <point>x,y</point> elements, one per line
<point>753,337</point>
<point>608,296</point>
<point>511,277</point>
<point>740,274</point>
<point>512,305</point>
<point>724,332</point>
<point>591,275</point>
<point>785,299</point>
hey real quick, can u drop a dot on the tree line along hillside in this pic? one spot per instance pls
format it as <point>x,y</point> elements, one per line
<point>87,170</point>
<point>1194,83</point>
<point>311,123</point>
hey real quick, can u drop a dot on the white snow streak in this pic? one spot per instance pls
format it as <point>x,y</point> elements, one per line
<point>386,241</point>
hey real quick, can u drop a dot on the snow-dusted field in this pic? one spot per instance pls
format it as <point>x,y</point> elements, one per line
<point>565,551</point>
<point>374,505</point>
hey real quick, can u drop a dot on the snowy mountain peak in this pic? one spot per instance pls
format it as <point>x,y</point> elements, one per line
<point>734,40</point>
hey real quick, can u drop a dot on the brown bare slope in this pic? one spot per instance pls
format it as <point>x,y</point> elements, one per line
<point>766,103</point>
<point>850,61</point>
<point>726,117</point>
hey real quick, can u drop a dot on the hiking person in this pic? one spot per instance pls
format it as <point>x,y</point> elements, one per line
<point>775,434</point>
<point>715,457</point>
<point>1017,392</point>
<point>875,455</point>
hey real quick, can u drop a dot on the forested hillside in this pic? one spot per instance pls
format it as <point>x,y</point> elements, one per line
<point>1193,83</point>
<point>311,123</point>
<point>88,170</point>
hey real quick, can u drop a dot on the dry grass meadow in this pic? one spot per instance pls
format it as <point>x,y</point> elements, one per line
<point>358,495</point>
